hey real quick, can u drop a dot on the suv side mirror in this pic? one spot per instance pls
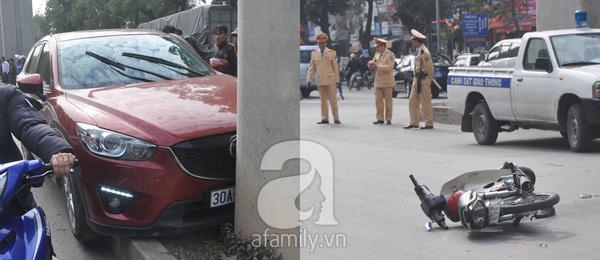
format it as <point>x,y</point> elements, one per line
<point>32,84</point>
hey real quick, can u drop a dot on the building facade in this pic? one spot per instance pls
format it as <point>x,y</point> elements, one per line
<point>559,14</point>
<point>16,27</point>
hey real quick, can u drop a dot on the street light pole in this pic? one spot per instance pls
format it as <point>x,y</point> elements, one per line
<point>437,24</point>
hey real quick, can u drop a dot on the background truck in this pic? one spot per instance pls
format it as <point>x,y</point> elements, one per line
<point>555,85</point>
<point>198,22</point>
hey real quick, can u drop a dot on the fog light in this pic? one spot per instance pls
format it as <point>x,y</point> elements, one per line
<point>114,200</point>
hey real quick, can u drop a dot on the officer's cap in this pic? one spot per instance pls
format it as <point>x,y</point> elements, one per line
<point>380,41</point>
<point>417,35</point>
<point>321,37</point>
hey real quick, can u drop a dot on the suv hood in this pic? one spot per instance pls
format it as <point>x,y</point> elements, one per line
<point>166,112</point>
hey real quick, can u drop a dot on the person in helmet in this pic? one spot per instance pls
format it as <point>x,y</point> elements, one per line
<point>352,66</point>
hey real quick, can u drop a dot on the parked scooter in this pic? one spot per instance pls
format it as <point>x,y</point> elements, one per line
<point>23,235</point>
<point>482,198</point>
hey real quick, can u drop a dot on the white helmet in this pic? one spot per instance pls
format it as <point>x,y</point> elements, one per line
<point>352,56</point>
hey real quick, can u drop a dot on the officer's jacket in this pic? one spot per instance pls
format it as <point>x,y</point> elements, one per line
<point>423,62</point>
<point>326,66</point>
<point>385,69</point>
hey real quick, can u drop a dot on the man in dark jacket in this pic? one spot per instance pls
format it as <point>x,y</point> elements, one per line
<point>223,49</point>
<point>19,118</point>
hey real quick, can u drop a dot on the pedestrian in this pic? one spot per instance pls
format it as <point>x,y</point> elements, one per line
<point>25,123</point>
<point>339,86</point>
<point>5,70</point>
<point>383,63</point>
<point>223,49</point>
<point>12,71</point>
<point>234,36</point>
<point>420,95</point>
<point>324,62</point>
<point>20,63</point>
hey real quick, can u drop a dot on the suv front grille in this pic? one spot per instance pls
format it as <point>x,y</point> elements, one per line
<point>207,157</point>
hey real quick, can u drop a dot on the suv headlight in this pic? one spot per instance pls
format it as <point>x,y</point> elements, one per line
<point>114,145</point>
<point>596,90</point>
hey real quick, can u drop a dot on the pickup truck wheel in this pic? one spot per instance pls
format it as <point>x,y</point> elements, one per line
<point>485,127</point>
<point>564,135</point>
<point>579,132</point>
<point>408,87</point>
<point>394,94</point>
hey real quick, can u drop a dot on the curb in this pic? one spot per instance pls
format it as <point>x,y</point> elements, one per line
<point>442,113</point>
<point>139,248</point>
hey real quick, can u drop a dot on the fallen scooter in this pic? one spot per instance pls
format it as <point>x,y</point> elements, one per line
<point>23,235</point>
<point>482,198</point>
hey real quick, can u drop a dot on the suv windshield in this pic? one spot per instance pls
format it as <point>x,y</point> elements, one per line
<point>577,49</point>
<point>100,62</point>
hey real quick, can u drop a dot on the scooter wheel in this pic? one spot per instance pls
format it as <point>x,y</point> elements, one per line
<point>531,202</point>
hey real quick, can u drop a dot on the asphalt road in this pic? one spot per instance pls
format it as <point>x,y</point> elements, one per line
<point>51,198</point>
<point>378,212</point>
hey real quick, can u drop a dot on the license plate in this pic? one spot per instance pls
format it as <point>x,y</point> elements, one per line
<point>221,197</point>
<point>438,74</point>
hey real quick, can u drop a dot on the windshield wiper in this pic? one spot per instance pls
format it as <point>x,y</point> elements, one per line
<point>162,61</point>
<point>121,66</point>
<point>580,63</point>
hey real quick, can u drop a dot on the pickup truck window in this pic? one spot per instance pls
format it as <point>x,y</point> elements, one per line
<point>577,49</point>
<point>536,49</point>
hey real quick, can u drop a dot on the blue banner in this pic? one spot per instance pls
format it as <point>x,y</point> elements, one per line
<point>486,82</point>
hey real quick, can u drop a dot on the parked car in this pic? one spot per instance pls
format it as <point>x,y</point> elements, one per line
<point>503,54</point>
<point>467,60</point>
<point>305,51</point>
<point>405,72</point>
<point>152,124</point>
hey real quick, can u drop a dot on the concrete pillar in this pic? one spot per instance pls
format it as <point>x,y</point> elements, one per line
<point>268,111</point>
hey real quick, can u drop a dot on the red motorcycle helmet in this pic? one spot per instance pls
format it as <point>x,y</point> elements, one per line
<point>219,64</point>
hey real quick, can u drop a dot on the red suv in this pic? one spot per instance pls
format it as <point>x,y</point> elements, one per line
<point>152,124</point>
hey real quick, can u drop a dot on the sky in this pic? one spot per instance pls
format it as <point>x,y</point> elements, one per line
<point>40,5</point>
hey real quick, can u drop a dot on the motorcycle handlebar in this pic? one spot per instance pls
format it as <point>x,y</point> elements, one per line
<point>414,181</point>
<point>48,166</point>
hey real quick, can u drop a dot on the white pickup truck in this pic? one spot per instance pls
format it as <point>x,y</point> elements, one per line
<point>555,85</point>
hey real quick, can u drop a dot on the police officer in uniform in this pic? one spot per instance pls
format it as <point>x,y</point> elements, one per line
<point>383,62</point>
<point>324,62</point>
<point>420,95</point>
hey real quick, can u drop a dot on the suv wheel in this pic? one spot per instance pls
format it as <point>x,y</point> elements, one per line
<point>76,211</point>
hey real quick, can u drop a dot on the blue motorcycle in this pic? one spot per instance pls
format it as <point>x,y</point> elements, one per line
<point>23,235</point>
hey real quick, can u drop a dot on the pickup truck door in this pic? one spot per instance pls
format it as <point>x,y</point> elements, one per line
<point>532,88</point>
